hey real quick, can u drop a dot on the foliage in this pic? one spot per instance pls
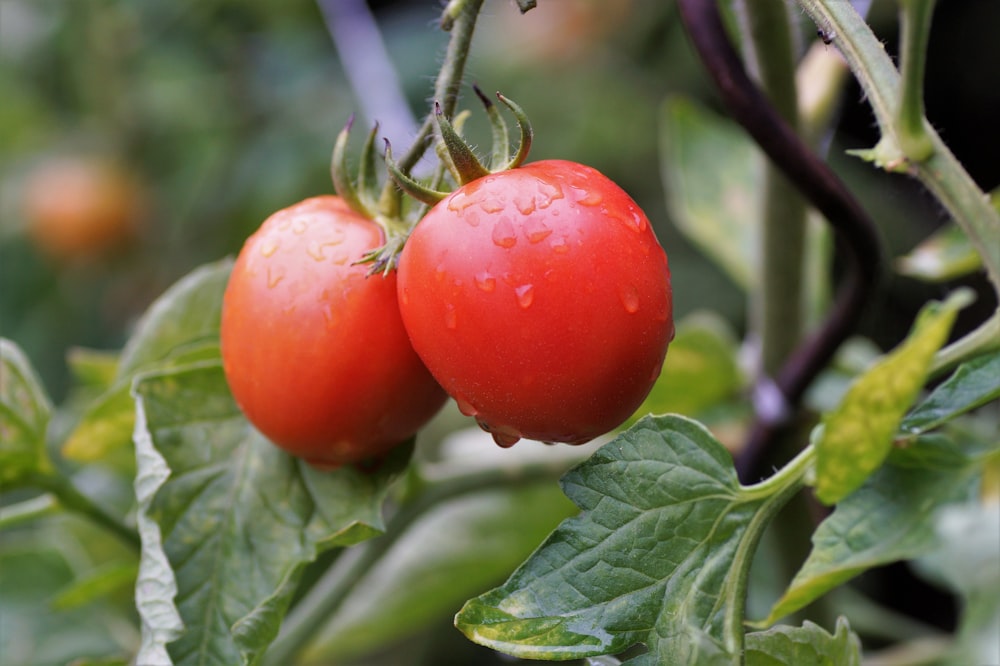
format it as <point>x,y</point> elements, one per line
<point>144,520</point>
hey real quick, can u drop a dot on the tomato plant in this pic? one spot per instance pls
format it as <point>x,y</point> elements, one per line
<point>313,348</point>
<point>540,299</point>
<point>813,478</point>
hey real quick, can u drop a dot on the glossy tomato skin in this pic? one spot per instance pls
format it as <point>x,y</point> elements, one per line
<point>540,299</point>
<point>314,349</point>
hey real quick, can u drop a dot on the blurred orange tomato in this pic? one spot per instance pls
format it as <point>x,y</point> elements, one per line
<point>80,208</point>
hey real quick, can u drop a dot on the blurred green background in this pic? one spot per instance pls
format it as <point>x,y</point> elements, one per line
<point>223,111</point>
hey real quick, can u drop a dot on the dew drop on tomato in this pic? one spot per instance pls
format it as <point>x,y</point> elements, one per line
<point>503,234</point>
<point>525,295</point>
<point>630,299</point>
<point>486,282</point>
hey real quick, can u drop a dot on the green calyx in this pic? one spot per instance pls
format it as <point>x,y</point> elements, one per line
<point>365,195</point>
<point>457,155</point>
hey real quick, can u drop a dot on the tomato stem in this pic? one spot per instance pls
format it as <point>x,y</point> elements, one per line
<point>74,500</point>
<point>915,22</point>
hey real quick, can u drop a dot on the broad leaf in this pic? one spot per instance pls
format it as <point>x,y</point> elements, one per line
<point>459,548</point>
<point>25,410</point>
<point>658,556</point>
<point>93,368</point>
<point>891,517</point>
<point>181,326</point>
<point>104,433</point>
<point>228,521</point>
<point>186,314</point>
<point>857,435</point>
<point>808,644</point>
<point>711,172</point>
<point>972,385</point>
<point>968,561</point>
<point>946,255</point>
<point>700,371</point>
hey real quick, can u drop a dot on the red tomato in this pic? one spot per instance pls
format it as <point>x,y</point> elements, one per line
<point>313,349</point>
<point>540,300</point>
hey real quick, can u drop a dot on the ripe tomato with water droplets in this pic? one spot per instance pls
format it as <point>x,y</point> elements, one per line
<point>314,349</point>
<point>540,299</point>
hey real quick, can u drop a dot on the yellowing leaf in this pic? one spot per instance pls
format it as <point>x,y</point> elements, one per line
<point>858,434</point>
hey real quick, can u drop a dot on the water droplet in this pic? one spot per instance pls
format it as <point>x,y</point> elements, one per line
<point>638,220</point>
<point>275,274</point>
<point>328,315</point>
<point>315,250</point>
<point>439,273</point>
<point>504,436</point>
<point>299,227</point>
<point>450,317</point>
<point>465,406</point>
<point>340,259</point>
<point>559,245</point>
<point>503,234</point>
<point>492,204</point>
<point>525,205</point>
<point>404,297</point>
<point>525,295</point>
<point>538,231</point>
<point>459,201</point>
<point>547,193</point>
<point>590,198</point>
<point>630,299</point>
<point>486,282</point>
<point>269,248</point>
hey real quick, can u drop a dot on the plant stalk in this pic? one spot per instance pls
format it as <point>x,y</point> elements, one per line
<point>777,309</point>
<point>941,173</point>
<point>73,500</point>
<point>462,24</point>
<point>915,21</point>
<point>28,511</point>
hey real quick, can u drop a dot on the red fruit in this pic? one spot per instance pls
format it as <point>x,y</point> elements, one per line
<point>540,299</point>
<point>314,349</point>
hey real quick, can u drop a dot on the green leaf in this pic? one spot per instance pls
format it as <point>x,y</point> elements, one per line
<point>808,644</point>
<point>455,550</point>
<point>966,561</point>
<point>25,410</point>
<point>700,371</point>
<point>890,518</point>
<point>711,174</point>
<point>96,584</point>
<point>93,368</point>
<point>104,432</point>
<point>659,556</point>
<point>228,521</point>
<point>857,435</point>
<point>946,255</point>
<point>188,313</point>
<point>181,326</point>
<point>972,385</point>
